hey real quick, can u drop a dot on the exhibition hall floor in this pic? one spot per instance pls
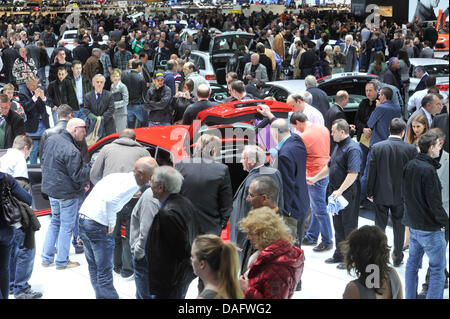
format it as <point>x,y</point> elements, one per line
<point>319,280</point>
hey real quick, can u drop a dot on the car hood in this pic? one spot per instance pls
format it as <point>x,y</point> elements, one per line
<point>351,82</point>
<point>228,42</point>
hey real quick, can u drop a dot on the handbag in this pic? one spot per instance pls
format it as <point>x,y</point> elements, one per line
<point>93,137</point>
<point>117,96</point>
<point>10,205</point>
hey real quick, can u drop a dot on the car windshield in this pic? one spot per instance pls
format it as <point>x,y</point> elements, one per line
<point>70,35</point>
<point>230,43</point>
<point>438,70</point>
<point>353,100</point>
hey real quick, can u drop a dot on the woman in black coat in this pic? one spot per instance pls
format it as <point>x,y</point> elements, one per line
<point>43,62</point>
<point>182,100</point>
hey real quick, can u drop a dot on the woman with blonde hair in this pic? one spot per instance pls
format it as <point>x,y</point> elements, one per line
<point>216,263</point>
<point>277,265</point>
<point>339,60</point>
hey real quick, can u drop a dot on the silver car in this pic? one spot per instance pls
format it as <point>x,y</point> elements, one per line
<point>437,67</point>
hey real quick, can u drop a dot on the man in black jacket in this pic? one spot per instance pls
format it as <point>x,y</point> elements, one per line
<point>9,55</point>
<point>264,60</point>
<point>64,178</point>
<point>59,62</point>
<point>80,52</point>
<point>136,86</point>
<point>384,184</point>
<point>203,103</point>
<point>207,185</point>
<point>11,123</point>
<point>320,98</point>
<point>307,61</point>
<point>170,238</point>
<point>425,217</point>
<point>157,101</point>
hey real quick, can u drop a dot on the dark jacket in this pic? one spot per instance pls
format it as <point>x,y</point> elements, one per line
<point>267,62</point>
<point>54,91</point>
<point>14,127</point>
<point>169,243</point>
<point>335,112</point>
<point>387,161</point>
<point>207,185</point>
<point>9,55</point>
<point>53,73</point>
<point>380,119</point>
<point>92,67</point>
<point>33,110</point>
<point>105,108</point>
<point>362,115</point>
<point>423,198</point>
<point>81,53</point>
<point>276,272</point>
<point>158,104</point>
<point>43,58</point>
<point>67,51</point>
<point>421,85</point>
<point>441,121</point>
<point>69,91</point>
<point>179,105</point>
<point>240,205</point>
<point>192,110</point>
<point>306,63</point>
<point>16,190</point>
<point>63,165</point>
<point>60,127</point>
<point>320,100</point>
<point>293,173</point>
<point>136,87</point>
<point>393,78</point>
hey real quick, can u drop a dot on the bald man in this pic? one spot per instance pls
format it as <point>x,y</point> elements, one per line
<point>64,177</point>
<point>203,103</point>
<point>98,218</point>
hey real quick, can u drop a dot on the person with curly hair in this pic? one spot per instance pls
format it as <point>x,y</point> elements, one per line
<point>216,263</point>
<point>366,253</point>
<point>277,265</point>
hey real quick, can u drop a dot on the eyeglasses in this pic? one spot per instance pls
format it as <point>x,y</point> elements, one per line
<point>254,195</point>
<point>85,127</point>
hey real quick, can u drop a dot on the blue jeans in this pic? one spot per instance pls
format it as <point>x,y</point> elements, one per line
<point>99,249</point>
<point>136,112</point>
<point>141,278</point>
<point>76,228</point>
<point>59,232</point>
<point>21,264</point>
<point>34,151</point>
<point>434,245</point>
<point>364,178</point>
<point>6,242</point>
<point>41,74</point>
<point>320,220</point>
<point>80,114</point>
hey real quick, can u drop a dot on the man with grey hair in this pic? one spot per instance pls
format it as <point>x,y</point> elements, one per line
<point>253,161</point>
<point>291,162</point>
<point>319,97</point>
<point>254,70</point>
<point>99,103</point>
<point>174,228</point>
<point>302,103</point>
<point>93,65</point>
<point>23,66</point>
<point>349,50</point>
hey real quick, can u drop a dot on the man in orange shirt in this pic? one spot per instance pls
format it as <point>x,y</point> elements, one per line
<point>317,142</point>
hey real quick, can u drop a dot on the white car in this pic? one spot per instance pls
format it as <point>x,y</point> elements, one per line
<point>204,66</point>
<point>437,67</point>
<point>69,36</point>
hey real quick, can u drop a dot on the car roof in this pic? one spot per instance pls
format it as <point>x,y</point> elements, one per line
<point>197,52</point>
<point>424,61</point>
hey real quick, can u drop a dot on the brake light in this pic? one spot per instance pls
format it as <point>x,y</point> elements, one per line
<point>66,43</point>
<point>210,77</point>
<point>442,87</point>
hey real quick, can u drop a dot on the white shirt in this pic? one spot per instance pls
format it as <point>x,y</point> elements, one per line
<point>429,118</point>
<point>14,163</point>
<point>313,114</point>
<point>415,100</point>
<point>79,87</point>
<point>108,197</point>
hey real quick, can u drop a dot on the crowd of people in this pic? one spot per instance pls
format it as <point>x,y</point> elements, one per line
<point>321,164</point>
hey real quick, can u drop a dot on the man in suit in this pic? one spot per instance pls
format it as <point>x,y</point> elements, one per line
<point>203,103</point>
<point>253,161</point>
<point>427,52</point>
<point>73,90</point>
<point>384,184</point>
<point>419,72</point>
<point>207,185</point>
<point>11,123</point>
<point>100,102</point>
<point>431,105</point>
<point>337,112</point>
<point>9,55</point>
<point>291,162</point>
<point>34,101</point>
<point>392,74</point>
<point>350,53</point>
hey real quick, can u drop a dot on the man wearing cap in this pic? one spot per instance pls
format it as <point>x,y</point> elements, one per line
<point>158,101</point>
